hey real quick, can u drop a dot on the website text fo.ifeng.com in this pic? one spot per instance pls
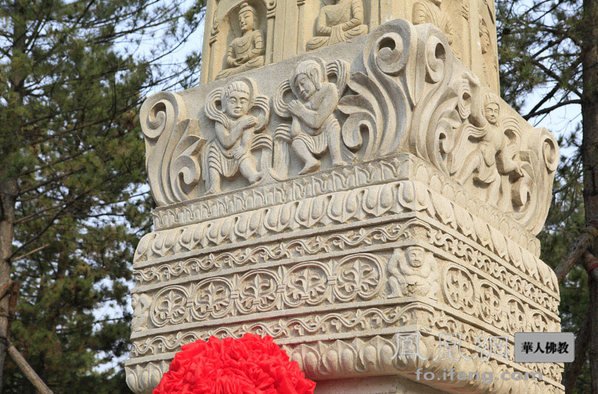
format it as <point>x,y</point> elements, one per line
<point>486,377</point>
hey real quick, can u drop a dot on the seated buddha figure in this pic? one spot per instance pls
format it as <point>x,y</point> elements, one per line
<point>247,51</point>
<point>338,22</point>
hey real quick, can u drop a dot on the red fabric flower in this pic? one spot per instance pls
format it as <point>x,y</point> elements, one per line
<point>248,365</point>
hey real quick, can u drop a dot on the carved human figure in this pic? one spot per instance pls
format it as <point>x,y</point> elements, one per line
<point>428,11</point>
<point>314,127</point>
<point>492,156</point>
<point>235,128</point>
<point>247,51</point>
<point>141,304</point>
<point>488,65</point>
<point>338,22</point>
<point>413,272</point>
<point>484,36</point>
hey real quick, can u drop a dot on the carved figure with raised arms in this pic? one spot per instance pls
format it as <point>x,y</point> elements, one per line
<point>235,133</point>
<point>314,128</point>
<point>492,156</point>
<point>413,272</point>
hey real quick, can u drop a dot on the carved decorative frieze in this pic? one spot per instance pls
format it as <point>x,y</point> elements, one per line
<point>409,95</point>
<point>359,200</point>
<point>310,25</point>
<point>529,283</point>
<point>381,354</point>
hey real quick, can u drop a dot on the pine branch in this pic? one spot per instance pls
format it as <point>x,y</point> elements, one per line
<point>579,247</point>
<point>548,110</point>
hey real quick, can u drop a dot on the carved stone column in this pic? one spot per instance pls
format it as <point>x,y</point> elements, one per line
<point>294,27</point>
<point>376,214</point>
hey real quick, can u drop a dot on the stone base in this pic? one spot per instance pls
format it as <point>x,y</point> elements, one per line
<point>373,385</point>
<point>386,278</point>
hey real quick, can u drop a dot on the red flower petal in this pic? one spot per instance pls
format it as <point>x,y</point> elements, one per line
<point>248,365</point>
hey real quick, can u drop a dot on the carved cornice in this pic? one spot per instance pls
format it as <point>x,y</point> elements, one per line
<point>408,94</point>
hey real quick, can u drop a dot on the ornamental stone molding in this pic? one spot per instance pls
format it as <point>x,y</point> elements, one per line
<point>369,194</point>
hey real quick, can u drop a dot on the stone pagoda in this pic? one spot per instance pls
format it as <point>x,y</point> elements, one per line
<point>347,180</point>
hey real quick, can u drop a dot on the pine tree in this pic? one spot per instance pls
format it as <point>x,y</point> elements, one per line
<point>72,75</point>
<point>550,48</point>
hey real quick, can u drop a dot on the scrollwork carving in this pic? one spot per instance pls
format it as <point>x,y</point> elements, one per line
<point>496,306</point>
<point>258,292</point>
<point>342,241</point>
<point>170,306</point>
<point>212,299</point>
<point>172,143</point>
<point>459,290</point>
<point>359,275</point>
<point>414,95</point>
<point>307,285</point>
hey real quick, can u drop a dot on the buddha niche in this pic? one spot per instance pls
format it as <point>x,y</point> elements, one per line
<point>247,51</point>
<point>338,22</point>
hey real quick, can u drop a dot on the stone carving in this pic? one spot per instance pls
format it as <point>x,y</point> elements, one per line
<point>343,241</point>
<point>333,322</point>
<point>523,282</point>
<point>141,305</point>
<point>429,230</point>
<point>337,22</point>
<point>439,102</point>
<point>314,128</point>
<point>492,157</point>
<point>344,178</point>
<point>299,26</point>
<point>428,11</point>
<point>247,51</point>
<point>142,378</point>
<point>487,44</point>
<point>484,36</point>
<point>433,109</point>
<point>352,278</point>
<point>413,272</point>
<point>235,132</point>
<point>172,142</point>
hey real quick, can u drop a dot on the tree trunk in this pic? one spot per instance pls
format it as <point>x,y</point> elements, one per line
<point>590,156</point>
<point>572,370</point>
<point>594,330</point>
<point>8,192</point>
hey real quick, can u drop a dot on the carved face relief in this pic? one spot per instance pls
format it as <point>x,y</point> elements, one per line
<point>415,256</point>
<point>237,104</point>
<point>491,112</point>
<point>246,21</point>
<point>141,304</point>
<point>305,87</point>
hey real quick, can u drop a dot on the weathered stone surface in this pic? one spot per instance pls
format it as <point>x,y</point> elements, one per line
<point>293,27</point>
<point>342,201</point>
